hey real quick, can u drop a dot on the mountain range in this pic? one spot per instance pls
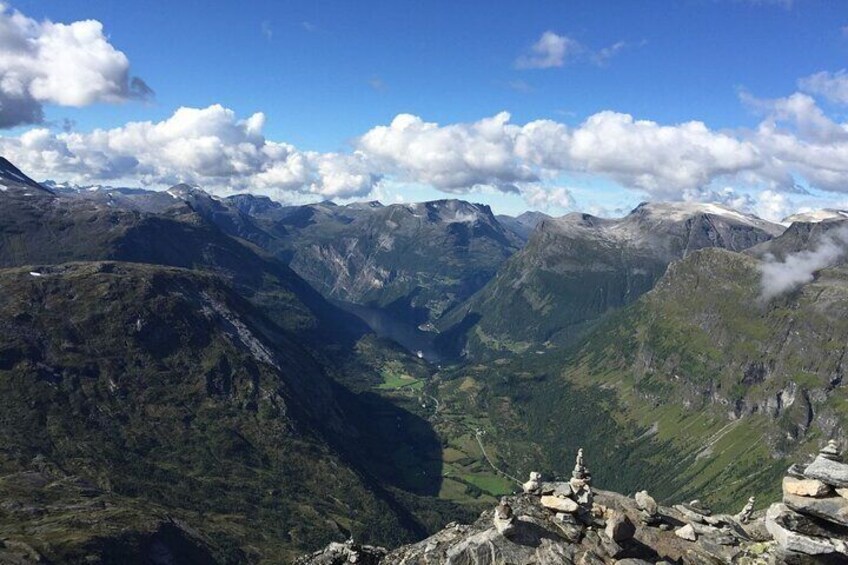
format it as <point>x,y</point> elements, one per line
<point>234,379</point>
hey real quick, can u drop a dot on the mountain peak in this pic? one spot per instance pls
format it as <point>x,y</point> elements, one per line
<point>12,177</point>
<point>816,216</point>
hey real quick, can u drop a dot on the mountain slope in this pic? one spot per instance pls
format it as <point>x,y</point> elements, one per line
<point>579,266</point>
<point>414,261</point>
<point>156,387</point>
<point>698,389</point>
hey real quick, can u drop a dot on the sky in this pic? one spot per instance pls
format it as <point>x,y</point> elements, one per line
<point>547,105</point>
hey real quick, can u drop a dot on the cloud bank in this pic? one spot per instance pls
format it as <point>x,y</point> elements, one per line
<point>52,63</point>
<point>798,269</point>
<point>210,147</point>
<point>215,148</point>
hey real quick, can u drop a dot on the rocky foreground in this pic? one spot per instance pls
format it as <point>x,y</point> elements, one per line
<point>571,522</point>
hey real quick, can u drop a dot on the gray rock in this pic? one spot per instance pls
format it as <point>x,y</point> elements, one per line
<point>584,496</point>
<point>796,470</point>
<point>504,520</point>
<point>788,519</point>
<point>831,472</point>
<point>794,542</point>
<point>646,503</point>
<point>533,484</point>
<point>805,487</point>
<point>831,451</point>
<point>559,504</point>
<point>689,514</point>
<point>619,527</point>
<point>687,532</point>
<point>833,509</point>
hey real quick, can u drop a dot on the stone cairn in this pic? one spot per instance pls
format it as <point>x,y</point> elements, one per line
<point>811,524</point>
<point>572,503</point>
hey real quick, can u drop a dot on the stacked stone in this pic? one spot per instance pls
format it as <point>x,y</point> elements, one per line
<point>649,510</point>
<point>811,524</point>
<point>573,497</point>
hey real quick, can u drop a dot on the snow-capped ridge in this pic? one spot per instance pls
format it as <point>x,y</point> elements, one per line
<point>816,216</point>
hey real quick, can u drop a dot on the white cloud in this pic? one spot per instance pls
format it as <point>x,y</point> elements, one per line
<point>548,198</point>
<point>664,161</point>
<point>207,146</point>
<point>452,158</point>
<point>795,143</point>
<point>772,205</point>
<point>554,50</point>
<point>832,86</point>
<point>798,269</point>
<point>551,50</point>
<point>53,63</point>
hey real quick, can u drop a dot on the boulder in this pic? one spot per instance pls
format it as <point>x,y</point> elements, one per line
<point>559,504</point>
<point>826,470</point>
<point>646,503</point>
<point>689,514</point>
<point>806,487</point>
<point>833,509</point>
<point>788,519</point>
<point>619,527</point>
<point>792,541</point>
<point>687,532</point>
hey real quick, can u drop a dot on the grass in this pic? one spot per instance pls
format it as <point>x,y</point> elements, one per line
<point>395,377</point>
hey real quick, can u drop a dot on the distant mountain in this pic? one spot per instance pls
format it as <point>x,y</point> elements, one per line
<point>414,261</point>
<point>523,224</point>
<point>150,355</point>
<point>575,268</point>
<point>817,216</point>
<point>12,178</point>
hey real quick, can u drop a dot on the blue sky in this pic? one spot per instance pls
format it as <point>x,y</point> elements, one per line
<point>325,73</point>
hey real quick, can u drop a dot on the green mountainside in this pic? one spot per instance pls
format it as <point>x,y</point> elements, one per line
<point>202,378</point>
<point>157,395</point>
<point>699,389</point>
<point>576,268</point>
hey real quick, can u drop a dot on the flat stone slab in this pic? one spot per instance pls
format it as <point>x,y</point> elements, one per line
<point>788,519</point>
<point>792,541</point>
<point>833,509</point>
<point>806,487</point>
<point>833,473</point>
<point>558,504</point>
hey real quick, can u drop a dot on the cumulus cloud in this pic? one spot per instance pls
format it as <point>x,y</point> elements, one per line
<point>554,50</point>
<point>206,146</point>
<point>53,63</point>
<point>772,205</point>
<point>551,50</point>
<point>798,269</point>
<point>832,86</point>
<point>664,161</point>
<point>548,198</point>
<point>796,142</point>
<point>799,139</point>
<point>452,158</point>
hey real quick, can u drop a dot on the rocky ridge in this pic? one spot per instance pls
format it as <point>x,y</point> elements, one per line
<point>569,521</point>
